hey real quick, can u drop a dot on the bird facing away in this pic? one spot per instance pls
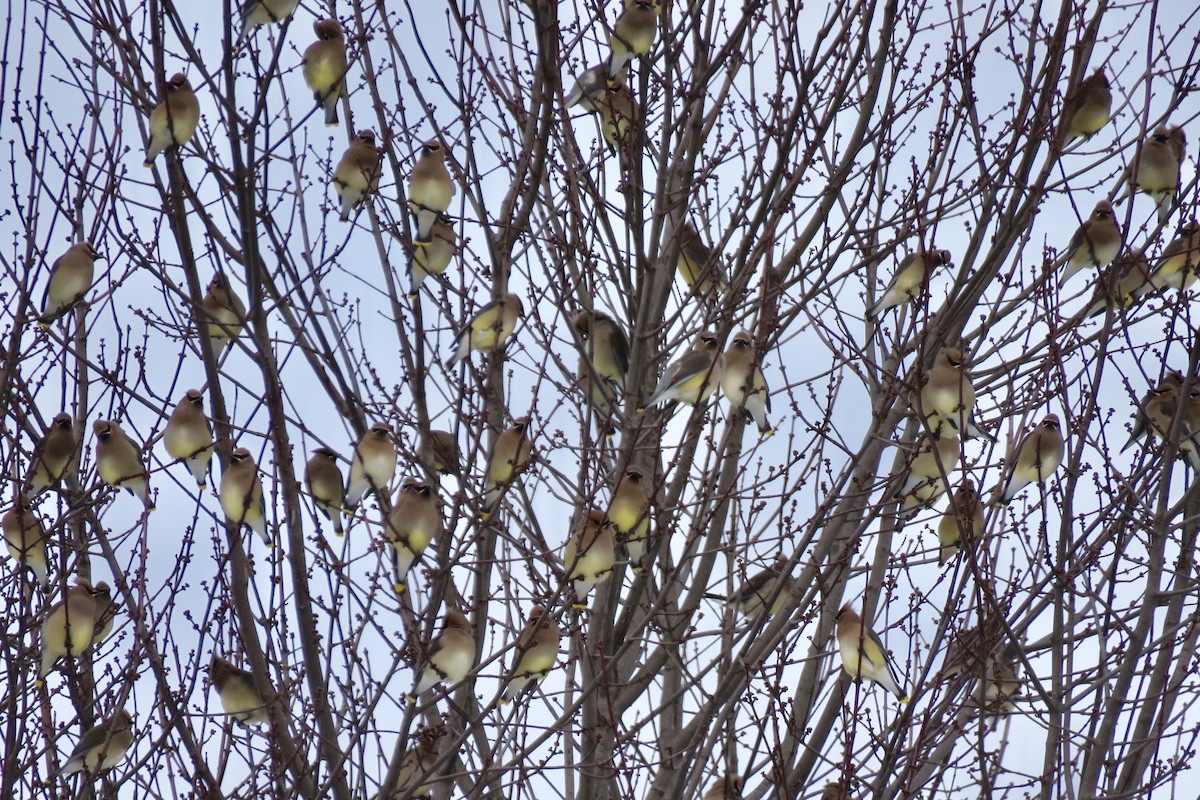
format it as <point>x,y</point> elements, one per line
<point>418,760</point>
<point>119,461</point>
<point>174,120</point>
<point>188,436</point>
<point>325,67</point>
<point>629,515</point>
<point>925,480</point>
<point>1156,170</point>
<point>605,345</point>
<point>373,465</point>
<point>947,397</point>
<point>1180,261</point>
<point>510,456</point>
<point>239,695</point>
<point>451,655</point>
<point>694,377</point>
<point>591,85</point>
<point>242,494</point>
<point>863,654</point>
<point>264,12</point>
<point>435,256</point>
<point>910,280</point>
<point>700,269</point>
<point>758,589</point>
<point>430,190</point>
<point>1040,453</point>
<point>536,653</point>
<point>54,454</point>
<point>619,115</point>
<point>222,314</point>
<point>1088,109</point>
<point>438,451</point>
<point>962,524</point>
<point>357,173</point>
<point>413,522</point>
<point>75,623</point>
<point>324,480</point>
<point>1096,242</point>
<point>25,537</point>
<point>633,35</point>
<point>743,383</point>
<point>489,329</point>
<point>728,787</point>
<point>590,555</point>
<point>71,276</point>
<point>101,748</point>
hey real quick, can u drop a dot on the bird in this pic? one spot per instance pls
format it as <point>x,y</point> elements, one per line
<point>536,653</point>
<point>222,314</point>
<point>599,393</point>
<point>188,436</point>
<point>729,787</point>
<point>605,345</point>
<point>910,280</point>
<point>435,257</point>
<point>629,515</point>
<point>324,67</point>
<point>1039,455</point>
<point>119,461</point>
<point>700,270</point>
<point>925,478</point>
<point>511,454</point>
<point>863,654</point>
<point>1179,263</point>
<point>418,760</point>
<point>633,35</point>
<point>693,377</point>
<point>71,275</point>
<point>53,455</point>
<point>834,791</point>
<point>326,485</point>
<point>75,623</point>
<point>1001,686</point>
<point>239,694</point>
<point>1096,242</point>
<point>413,522</point>
<point>102,747</point>
<point>1156,411</point>
<point>430,190</point>
<point>263,12</point>
<point>962,524</point>
<point>619,114</point>
<point>373,465</point>
<point>174,120</point>
<point>1088,109</point>
<point>451,655</point>
<point>438,451</point>
<point>1128,280</point>
<point>756,592</point>
<point>242,494</point>
<point>1156,168</point>
<point>357,172</point>
<point>591,85</point>
<point>489,329</point>
<point>26,537</point>
<point>743,384</point>
<point>947,396</point>
<point>590,554</point>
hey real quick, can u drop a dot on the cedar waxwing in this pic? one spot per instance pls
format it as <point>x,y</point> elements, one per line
<point>222,314</point>
<point>439,452</point>
<point>1096,242</point>
<point>1189,444</point>
<point>947,396</point>
<point>633,35</point>
<point>325,67</point>
<point>430,189</point>
<point>263,12</point>
<point>417,762</point>
<point>728,787</point>
<point>119,461</point>
<point>1180,261</point>
<point>1088,109</point>
<point>1040,453</point>
<point>756,592</point>
<point>413,522</point>
<point>834,791</point>
<point>71,276</point>
<point>629,515</point>
<point>434,258</point>
<point>968,651</point>
<point>324,480</point>
<point>591,553</point>
<point>1156,411</point>
<point>605,345</point>
<point>53,455</point>
<point>537,651</point>
<point>488,329</point>
<point>701,270</point>
<point>743,383</point>
<point>925,480</point>
<point>619,115</point>
<point>1156,169</point>
<point>591,84</point>
<point>82,618</point>
<point>451,655</point>
<point>188,436</point>
<point>694,377</point>
<point>103,747</point>
<point>1128,280</point>
<point>373,465</point>
<point>962,524</point>
<point>174,120</point>
<point>599,393</point>
<point>863,654</point>
<point>239,695</point>
<point>242,494</point>
<point>910,280</point>
<point>510,455</point>
<point>357,173</point>
<point>26,538</point>
<point>1002,685</point>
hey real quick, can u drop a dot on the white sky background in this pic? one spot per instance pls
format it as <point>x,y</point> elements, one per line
<point>183,617</point>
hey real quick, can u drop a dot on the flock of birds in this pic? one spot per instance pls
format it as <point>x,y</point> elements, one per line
<point>945,401</point>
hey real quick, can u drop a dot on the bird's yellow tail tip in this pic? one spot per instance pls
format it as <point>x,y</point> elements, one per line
<point>579,606</point>
<point>399,587</point>
<point>504,701</point>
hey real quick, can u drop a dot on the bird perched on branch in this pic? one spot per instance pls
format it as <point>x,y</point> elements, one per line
<point>412,524</point>
<point>25,537</point>
<point>326,485</point>
<point>357,173</point>
<point>101,748</point>
<point>924,480</point>
<point>239,694</point>
<point>947,396</point>
<point>174,120</point>
<point>743,384</point>
<point>629,515</point>
<point>451,655</point>
<point>1179,263</point>
<point>490,328</point>
<point>435,257</point>
<point>633,35</point>
<point>263,12</point>
<point>537,651</point>
<point>325,66</point>
<point>590,554</point>
<point>53,455</point>
<point>1088,109</point>
<point>81,619</point>
<point>863,653</point>
<point>1038,456</point>
<point>910,280</point>
<point>430,190</point>
<point>962,524</point>
<point>242,494</point>
<point>510,456</point>
<point>373,465</point>
<point>188,436</point>
<point>1096,242</point>
<point>119,461</point>
<point>222,314</point>
<point>694,377</point>
<point>71,276</point>
<point>1156,168</point>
